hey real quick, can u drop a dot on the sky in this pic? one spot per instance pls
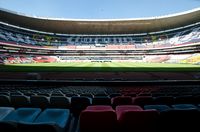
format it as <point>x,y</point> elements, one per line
<point>99,9</point>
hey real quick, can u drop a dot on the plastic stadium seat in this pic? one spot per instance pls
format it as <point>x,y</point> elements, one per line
<point>87,95</point>
<point>136,119</point>
<point>101,100</point>
<point>19,101</point>
<point>15,93</point>
<point>5,93</point>
<point>173,94</point>
<point>57,94</point>
<point>144,94</point>
<point>98,119</point>
<point>43,94</point>
<point>185,99</point>
<point>179,120</point>
<point>164,100</point>
<point>184,106</point>
<point>159,108</point>
<point>59,102</point>
<point>4,111</point>
<point>79,103</point>
<point>158,94</point>
<point>71,95</point>
<point>121,108</point>
<point>23,115</point>
<point>121,100</point>
<point>112,95</point>
<point>143,100</point>
<point>38,101</point>
<point>29,94</point>
<point>50,120</point>
<point>4,100</point>
<point>100,94</point>
<point>99,107</point>
<point>130,94</point>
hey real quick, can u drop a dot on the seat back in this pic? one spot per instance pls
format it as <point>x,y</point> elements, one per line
<point>39,101</point>
<point>79,103</point>
<point>143,100</point>
<point>101,100</point>
<point>19,101</point>
<point>159,108</point>
<point>5,101</point>
<point>37,127</point>
<point>98,119</point>
<point>179,120</point>
<point>164,100</point>
<point>23,115</point>
<point>139,120</point>
<point>59,102</point>
<point>121,100</point>
<point>50,120</point>
<point>4,111</point>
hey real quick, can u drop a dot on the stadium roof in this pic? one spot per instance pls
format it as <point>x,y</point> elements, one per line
<point>101,26</point>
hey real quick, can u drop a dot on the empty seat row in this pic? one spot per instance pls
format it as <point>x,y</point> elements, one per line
<point>130,118</point>
<point>58,90</point>
<point>34,119</point>
<point>145,100</point>
<point>100,91</point>
<point>76,104</point>
<point>34,101</point>
<point>125,119</point>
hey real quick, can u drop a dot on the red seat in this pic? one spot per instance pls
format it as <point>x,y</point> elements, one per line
<point>98,119</point>
<point>136,119</point>
<point>100,108</point>
<point>123,108</point>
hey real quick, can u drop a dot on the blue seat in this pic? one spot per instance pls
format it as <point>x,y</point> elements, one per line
<point>159,108</point>
<point>51,120</point>
<point>4,111</point>
<point>23,115</point>
<point>58,116</point>
<point>184,106</point>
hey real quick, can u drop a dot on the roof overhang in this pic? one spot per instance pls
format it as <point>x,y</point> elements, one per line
<point>101,26</point>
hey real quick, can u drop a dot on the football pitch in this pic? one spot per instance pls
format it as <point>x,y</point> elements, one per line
<point>99,67</point>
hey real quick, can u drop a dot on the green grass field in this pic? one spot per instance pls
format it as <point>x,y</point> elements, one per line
<point>98,67</point>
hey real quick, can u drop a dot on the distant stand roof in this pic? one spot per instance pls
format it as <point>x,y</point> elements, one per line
<point>101,26</point>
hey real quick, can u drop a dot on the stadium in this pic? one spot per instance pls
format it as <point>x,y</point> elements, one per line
<point>82,74</point>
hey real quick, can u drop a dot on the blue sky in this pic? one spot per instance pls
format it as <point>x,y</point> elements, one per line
<point>99,9</point>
